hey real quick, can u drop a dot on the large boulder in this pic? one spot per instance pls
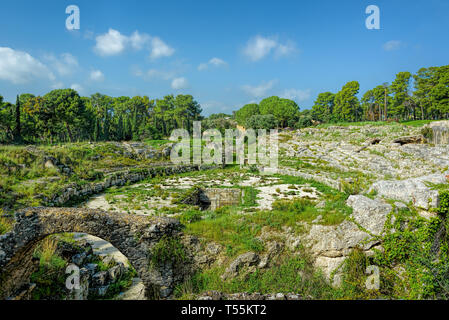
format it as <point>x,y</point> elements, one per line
<point>414,190</point>
<point>330,245</point>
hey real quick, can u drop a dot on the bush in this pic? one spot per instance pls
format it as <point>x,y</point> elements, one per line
<point>304,122</point>
<point>427,133</point>
<point>266,122</point>
<point>444,203</point>
<point>169,250</point>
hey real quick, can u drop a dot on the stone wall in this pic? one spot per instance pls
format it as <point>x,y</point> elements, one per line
<point>440,132</point>
<point>74,192</point>
<point>220,197</point>
<point>134,236</point>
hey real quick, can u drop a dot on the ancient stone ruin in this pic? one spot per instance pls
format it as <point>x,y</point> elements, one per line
<point>440,132</point>
<point>134,236</point>
<point>214,198</point>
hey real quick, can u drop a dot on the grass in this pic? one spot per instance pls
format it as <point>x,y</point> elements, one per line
<point>168,250</point>
<point>413,123</point>
<point>292,274</point>
<point>156,143</point>
<point>25,181</point>
<point>5,223</point>
<point>50,277</point>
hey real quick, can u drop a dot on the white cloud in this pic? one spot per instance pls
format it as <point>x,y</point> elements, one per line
<point>392,45</point>
<point>153,74</point>
<point>179,83</point>
<point>259,47</point>
<point>287,49</point>
<point>110,43</point>
<point>296,94</point>
<point>64,65</point>
<point>96,75</point>
<point>260,90</point>
<point>160,49</point>
<point>114,43</point>
<point>138,41</point>
<point>19,67</point>
<point>77,87</point>
<point>216,62</point>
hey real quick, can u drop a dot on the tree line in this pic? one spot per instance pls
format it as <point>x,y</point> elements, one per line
<point>64,116</point>
<point>421,96</point>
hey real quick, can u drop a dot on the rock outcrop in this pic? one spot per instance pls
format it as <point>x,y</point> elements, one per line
<point>414,190</point>
<point>330,245</point>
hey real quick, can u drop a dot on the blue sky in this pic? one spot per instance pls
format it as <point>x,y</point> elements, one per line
<point>224,53</point>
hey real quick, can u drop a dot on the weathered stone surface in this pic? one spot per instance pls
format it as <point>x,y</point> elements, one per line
<point>370,214</point>
<point>73,192</point>
<point>116,271</point>
<point>412,190</point>
<point>134,236</point>
<point>100,278</point>
<point>440,132</point>
<point>274,248</point>
<point>331,244</point>
<point>409,139</point>
<point>220,197</point>
<point>83,291</point>
<point>249,259</point>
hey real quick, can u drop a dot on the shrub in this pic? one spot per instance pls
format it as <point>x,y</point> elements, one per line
<point>170,250</point>
<point>444,203</point>
<point>267,122</point>
<point>427,133</point>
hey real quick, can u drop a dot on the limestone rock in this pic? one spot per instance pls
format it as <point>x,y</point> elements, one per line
<point>249,259</point>
<point>412,190</point>
<point>331,244</point>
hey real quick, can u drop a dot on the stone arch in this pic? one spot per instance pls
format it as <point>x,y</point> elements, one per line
<point>132,235</point>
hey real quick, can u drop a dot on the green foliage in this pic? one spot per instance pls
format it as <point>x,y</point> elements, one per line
<point>444,203</point>
<point>119,285</point>
<point>190,216</point>
<point>354,185</point>
<point>189,196</point>
<point>290,274</point>
<point>62,115</point>
<point>353,282</point>
<point>250,196</point>
<point>50,277</point>
<point>168,250</point>
<point>266,122</point>
<point>5,223</point>
<point>246,112</point>
<point>347,105</point>
<point>427,133</point>
<point>323,108</point>
<point>430,100</point>
<point>284,110</point>
<point>414,263</point>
